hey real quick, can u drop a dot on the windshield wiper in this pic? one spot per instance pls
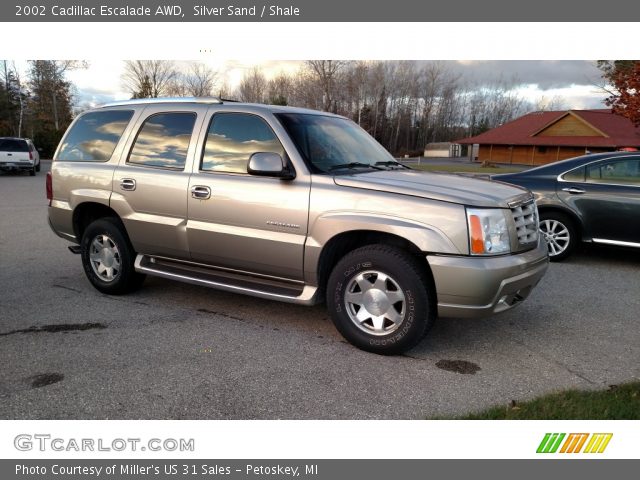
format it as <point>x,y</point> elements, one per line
<point>353,165</point>
<point>391,163</point>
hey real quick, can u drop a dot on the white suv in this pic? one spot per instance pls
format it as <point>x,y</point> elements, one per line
<point>19,154</point>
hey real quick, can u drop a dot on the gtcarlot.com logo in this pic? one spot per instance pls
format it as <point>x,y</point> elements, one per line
<point>574,443</point>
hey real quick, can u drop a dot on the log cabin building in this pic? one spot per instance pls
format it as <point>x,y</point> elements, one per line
<point>539,138</point>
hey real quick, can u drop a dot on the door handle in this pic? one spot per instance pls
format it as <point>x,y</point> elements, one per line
<point>128,184</point>
<point>201,192</point>
<point>573,190</point>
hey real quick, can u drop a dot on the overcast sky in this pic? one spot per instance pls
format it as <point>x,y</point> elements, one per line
<point>573,81</point>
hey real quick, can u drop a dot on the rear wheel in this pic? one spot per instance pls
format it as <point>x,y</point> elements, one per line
<point>32,171</point>
<point>38,167</point>
<point>559,232</point>
<point>108,257</point>
<point>380,299</point>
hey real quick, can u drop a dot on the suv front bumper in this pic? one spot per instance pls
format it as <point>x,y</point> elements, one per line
<point>471,287</point>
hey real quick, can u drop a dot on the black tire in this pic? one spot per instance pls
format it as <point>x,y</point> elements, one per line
<point>108,232</point>
<point>555,227</point>
<point>38,167</point>
<point>402,276</point>
<point>32,172</point>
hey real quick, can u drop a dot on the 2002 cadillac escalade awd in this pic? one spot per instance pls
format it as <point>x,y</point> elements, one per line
<point>292,205</point>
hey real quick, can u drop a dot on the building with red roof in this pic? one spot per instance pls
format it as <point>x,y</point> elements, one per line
<point>544,137</point>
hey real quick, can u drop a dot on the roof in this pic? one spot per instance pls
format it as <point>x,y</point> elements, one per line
<point>215,101</point>
<point>610,130</point>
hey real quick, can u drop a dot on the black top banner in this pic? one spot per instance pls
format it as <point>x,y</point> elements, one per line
<point>318,11</point>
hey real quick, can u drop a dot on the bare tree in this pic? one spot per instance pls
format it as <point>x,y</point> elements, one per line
<point>13,103</point>
<point>149,78</point>
<point>200,80</point>
<point>253,87</point>
<point>547,104</point>
<point>280,89</point>
<point>326,71</point>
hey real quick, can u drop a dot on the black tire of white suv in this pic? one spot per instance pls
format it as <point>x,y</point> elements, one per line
<point>380,299</point>
<point>108,257</point>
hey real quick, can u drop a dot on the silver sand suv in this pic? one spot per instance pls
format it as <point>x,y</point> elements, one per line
<point>292,205</point>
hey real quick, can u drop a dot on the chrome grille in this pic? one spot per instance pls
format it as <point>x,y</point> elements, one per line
<point>525,217</point>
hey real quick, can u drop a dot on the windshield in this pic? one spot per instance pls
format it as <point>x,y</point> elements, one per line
<point>333,144</point>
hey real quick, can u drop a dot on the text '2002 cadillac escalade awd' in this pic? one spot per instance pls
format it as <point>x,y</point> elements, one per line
<point>292,205</point>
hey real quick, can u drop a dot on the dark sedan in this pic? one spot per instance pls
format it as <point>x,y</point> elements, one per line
<point>594,198</point>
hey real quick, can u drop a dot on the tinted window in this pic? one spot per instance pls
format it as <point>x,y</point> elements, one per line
<point>233,137</point>
<point>13,145</point>
<point>576,175</point>
<point>328,142</point>
<point>163,140</point>
<point>94,136</point>
<point>625,172</point>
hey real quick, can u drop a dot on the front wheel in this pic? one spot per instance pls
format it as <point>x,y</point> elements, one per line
<point>560,234</point>
<point>108,257</point>
<point>380,299</point>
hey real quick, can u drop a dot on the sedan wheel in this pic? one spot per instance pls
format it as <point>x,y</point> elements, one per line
<point>559,233</point>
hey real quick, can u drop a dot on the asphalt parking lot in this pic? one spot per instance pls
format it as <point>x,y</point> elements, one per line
<point>174,350</point>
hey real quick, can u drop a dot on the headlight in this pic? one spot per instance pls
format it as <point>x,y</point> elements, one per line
<point>488,233</point>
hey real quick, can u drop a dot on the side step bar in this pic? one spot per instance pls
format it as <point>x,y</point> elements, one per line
<point>213,279</point>
<point>75,249</point>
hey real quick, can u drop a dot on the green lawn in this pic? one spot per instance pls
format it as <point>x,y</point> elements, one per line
<point>464,168</point>
<point>620,402</point>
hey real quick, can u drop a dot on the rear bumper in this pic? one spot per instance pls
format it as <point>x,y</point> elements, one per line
<point>471,287</point>
<point>18,165</point>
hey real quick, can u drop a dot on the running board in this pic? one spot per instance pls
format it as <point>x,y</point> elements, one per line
<point>245,285</point>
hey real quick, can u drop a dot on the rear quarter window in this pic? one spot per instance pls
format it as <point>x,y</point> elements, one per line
<point>94,136</point>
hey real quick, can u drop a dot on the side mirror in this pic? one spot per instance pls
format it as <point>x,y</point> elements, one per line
<point>268,164</point>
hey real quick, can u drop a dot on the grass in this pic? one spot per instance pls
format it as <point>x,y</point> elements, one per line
<point>464,168</point>
<point>619,402</point>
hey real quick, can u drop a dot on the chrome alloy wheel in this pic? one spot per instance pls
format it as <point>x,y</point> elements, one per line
<point>105,258</point>
<point>556,235</point>
<point>375,303</point>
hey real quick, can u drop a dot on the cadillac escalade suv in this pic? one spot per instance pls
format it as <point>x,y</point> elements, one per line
<point>292,205</point>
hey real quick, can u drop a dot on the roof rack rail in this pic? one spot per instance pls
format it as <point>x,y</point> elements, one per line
<point>147,101</point>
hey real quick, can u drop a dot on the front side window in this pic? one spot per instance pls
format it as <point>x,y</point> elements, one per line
<point>163,140</point>
<point>620,172</point>
<point>330,143</point>
<point>94,136</point>
<point>232,139</point>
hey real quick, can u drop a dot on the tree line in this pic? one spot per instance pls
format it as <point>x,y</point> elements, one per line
<point>404,104</point>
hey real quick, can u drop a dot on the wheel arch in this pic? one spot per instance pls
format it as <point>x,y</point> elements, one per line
<point>87,212</point>
<point>345,242</point>
<point>577,221</point>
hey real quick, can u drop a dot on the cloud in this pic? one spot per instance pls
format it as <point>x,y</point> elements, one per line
<point>546,74</point>
<point>101,82</point>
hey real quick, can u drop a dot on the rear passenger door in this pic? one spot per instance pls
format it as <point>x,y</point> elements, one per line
<point>151,181</point>
<point>247,223</point>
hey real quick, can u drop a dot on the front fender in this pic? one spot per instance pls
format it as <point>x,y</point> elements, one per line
<point>427,238</point>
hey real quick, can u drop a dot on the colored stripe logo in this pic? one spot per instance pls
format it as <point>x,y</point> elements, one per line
<point>574,443</point>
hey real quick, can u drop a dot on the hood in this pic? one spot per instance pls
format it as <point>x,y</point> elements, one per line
<point>437,186</point>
